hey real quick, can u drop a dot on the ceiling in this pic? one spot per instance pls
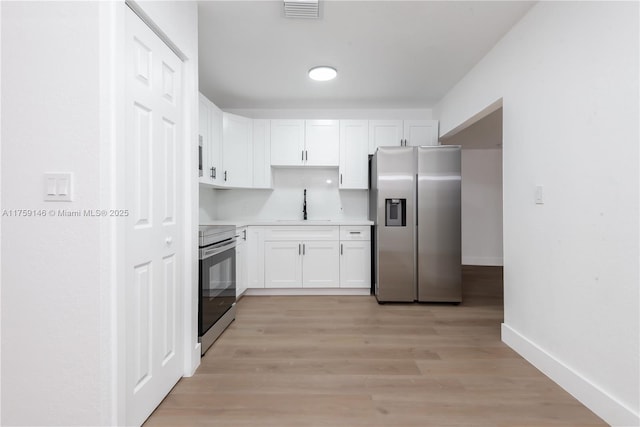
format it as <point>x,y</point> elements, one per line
<point>389,54</point>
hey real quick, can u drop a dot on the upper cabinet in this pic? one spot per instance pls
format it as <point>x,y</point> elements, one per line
<point>389,133</point>
<point>354,161</point>
<point>237,148</point>
<point>421,132</point>
<point>210,142</point>
<point>287,142</point>
<point>305,142</point>
<point>261,153</point>
<point>384,133</point>
<point>322,143</point>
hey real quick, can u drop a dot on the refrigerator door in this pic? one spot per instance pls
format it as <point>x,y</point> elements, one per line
<point>395,224</point>
<point>439,227</point>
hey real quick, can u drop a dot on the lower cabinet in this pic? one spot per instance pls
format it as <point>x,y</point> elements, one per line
<point>355,264</point>
<point>242,279</point>
<point>307,257</point>
<point>290,264</point>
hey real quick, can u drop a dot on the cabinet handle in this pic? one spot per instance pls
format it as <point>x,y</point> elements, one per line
<point>225,176</point>
<point>341,251</point>
<point>302,152</point>
<point>303,249</point>
<point>213,173</point>
<point>340,179</point>
<point>299,249</point>
<point>354,232</point>
<point>244,234</point>
<point>306,155</point>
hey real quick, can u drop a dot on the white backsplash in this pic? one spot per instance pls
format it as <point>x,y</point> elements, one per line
<point>324,200</point>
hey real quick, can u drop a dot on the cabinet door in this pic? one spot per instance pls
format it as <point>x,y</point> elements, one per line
<point>204,137</point>
<point>282,265</point>
<point>322,143</point>
<point>384,133</point>
<point>255,257</point>
<point>287,142</point>
<point>355,264</point>
<point>215,148</point>
<point>320,264</point>
<point>421,132</point>
<point>237,144</point>
<point>354,160</point>
<point>241,267</point>
<point>261,154</point>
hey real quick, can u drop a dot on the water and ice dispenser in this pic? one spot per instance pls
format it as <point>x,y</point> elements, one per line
<point>395,212</point>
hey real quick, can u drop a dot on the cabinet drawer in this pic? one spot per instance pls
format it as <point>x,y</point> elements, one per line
<point>355,232</point>
<point>303,232</point>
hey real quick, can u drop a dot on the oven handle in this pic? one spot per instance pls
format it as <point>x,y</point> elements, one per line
<point>219,248</point>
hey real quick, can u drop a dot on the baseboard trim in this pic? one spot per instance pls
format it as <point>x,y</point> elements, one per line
<point>305,291</point>
<point>597,400</point>
<point>479,260</point>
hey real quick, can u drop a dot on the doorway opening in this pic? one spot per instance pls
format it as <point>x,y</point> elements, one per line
<point>481,140</point>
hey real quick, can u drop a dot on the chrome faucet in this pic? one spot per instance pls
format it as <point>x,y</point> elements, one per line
<point>304,206</point>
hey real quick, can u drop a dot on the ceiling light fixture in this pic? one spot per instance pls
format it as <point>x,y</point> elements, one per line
<point>323,73</point>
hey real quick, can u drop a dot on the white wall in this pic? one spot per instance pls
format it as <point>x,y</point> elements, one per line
<point>482,207</point>
<point>50,265</point>
<point>61,99</point>
<point>567,74</point>
<point>324,200</point>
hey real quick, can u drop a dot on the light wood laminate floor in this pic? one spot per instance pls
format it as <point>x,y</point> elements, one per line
<point>347,361</point>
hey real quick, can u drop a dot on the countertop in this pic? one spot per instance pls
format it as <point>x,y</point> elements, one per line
<point>288,222</point>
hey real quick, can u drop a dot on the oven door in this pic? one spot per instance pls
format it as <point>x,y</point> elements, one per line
<point>217,283</point>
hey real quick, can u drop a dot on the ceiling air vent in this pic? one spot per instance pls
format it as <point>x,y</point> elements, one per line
<point>301,9</point>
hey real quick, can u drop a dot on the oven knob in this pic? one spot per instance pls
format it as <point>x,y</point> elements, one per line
<point>168,240</point>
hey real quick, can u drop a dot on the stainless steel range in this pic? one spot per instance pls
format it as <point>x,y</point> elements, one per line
<point>217,282</point>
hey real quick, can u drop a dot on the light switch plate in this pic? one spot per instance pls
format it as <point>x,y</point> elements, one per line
<point>58,187</point>
<point>538,197</point>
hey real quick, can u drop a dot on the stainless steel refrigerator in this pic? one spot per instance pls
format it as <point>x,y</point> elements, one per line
<point>415,206</point>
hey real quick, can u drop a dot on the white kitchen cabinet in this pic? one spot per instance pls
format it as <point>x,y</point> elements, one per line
<point>394,133</point>
<point>261,153</point>
<point>287,142</point>
<point>255,257</point>
<point>242,280</point>
<point>282,264</point>
<point>354,161</point>
<point>305,143</point>
<point>301,257</point>
<point>322,143</point>
<point>320,264</point>
<point>421,132</point>
<point>298,264</point>
<point>237,149</point>
<point>355,257</point>
<point>355,264</point>
<point>385,133</point>
<point>210,139</point>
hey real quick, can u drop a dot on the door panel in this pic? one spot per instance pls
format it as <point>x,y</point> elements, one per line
<point>439,224</point>
<point>322,143</point>
<point>384,133</point>
<point>282,265</point>
<point>287,142</point>
<point>421,132</point>
<point>153,312</point>
<point>355,264</point>
<point>321,264</point>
